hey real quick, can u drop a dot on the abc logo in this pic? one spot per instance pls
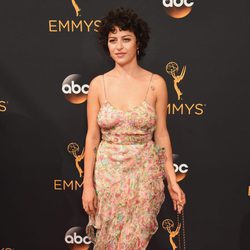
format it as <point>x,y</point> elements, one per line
<point>177,8</point>
<point>176,3</point>
<point>180,168</point>
<point>73,89</point>
<point>74,236</point>
<point>3,107</point>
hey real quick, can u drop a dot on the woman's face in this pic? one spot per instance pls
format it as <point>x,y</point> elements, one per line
<point>122,45</point>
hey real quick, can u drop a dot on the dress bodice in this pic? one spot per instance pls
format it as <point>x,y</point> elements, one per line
<point>127,127</point>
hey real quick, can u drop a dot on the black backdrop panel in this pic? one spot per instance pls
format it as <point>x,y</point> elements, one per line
<point>44,42</point>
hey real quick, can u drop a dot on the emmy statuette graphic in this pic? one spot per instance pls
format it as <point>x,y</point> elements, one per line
<point>172,68</point>
<point>168,224</point>
<point>73,148</point>
<point>76,7</point>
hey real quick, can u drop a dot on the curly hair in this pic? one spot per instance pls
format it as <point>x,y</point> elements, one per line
<point>125,19</point>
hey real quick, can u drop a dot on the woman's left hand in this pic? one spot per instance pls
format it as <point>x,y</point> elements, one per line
<point>178,197</point>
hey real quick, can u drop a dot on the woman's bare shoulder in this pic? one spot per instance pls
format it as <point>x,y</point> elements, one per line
<point>95,83</point>
<point>159,82</point>
<point>158,78</point>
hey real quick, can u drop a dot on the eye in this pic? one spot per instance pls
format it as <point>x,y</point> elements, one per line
<point>126,39</point>
<point>111,41</point>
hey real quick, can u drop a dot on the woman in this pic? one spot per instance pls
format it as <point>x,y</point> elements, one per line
<point>127,148</point>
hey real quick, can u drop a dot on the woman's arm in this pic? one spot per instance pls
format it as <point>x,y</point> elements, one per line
<point>93,133</point>
<point>161,135</point>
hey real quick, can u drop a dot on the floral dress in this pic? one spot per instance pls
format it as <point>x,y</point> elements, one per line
<point>128,178</point>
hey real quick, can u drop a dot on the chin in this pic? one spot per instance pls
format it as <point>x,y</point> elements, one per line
<point>123,61</point>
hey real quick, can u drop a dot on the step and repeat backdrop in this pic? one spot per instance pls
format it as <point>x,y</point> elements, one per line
<point>49,54</point>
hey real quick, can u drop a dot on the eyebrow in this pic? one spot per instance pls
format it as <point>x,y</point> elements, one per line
<point>122,36</point>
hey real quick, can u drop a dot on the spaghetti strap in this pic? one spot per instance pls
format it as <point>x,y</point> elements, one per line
<point>148,86</point>
<point>105,95</point>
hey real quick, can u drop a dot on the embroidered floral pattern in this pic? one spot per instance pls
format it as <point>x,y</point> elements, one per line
<point>128,179</point>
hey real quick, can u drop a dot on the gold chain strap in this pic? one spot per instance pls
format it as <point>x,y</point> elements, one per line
<point>180,246</point>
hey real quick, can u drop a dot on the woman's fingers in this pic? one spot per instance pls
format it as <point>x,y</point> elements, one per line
<point>181,204</point>
<point>91,207</point>
<point>179,209</point>
<point>175,204</point>
<point>180,197</point>
<point>183,198</point>
<point>87,208</point>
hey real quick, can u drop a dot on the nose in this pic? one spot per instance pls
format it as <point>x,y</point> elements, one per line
<point>119,45</point>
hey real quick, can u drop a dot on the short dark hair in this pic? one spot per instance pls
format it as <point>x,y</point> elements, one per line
<point>125,19</point>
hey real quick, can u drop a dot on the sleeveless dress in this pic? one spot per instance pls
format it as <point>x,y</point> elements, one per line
<point>128,178</point>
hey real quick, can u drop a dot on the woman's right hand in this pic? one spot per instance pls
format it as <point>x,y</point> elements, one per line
<point>89,200</point>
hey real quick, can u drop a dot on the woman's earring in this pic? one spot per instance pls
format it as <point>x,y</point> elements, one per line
<point>138,52</point>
